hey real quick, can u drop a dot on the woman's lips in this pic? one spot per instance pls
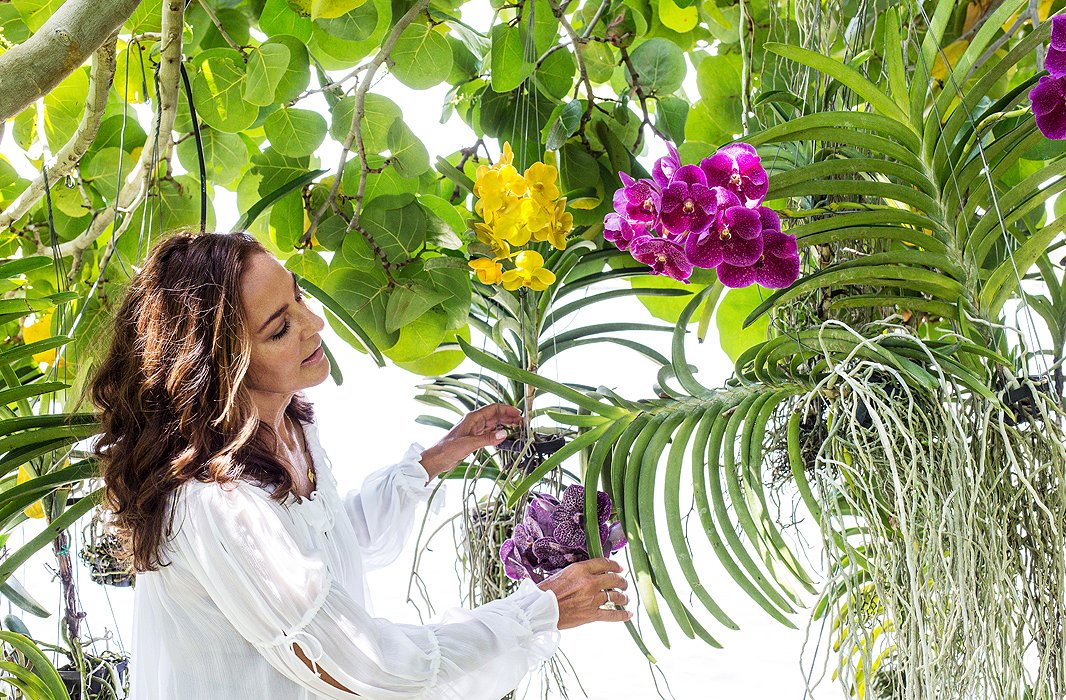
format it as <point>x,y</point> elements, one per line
<point>315,356</point>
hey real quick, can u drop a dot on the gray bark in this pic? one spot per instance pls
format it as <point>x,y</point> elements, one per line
<point>31,69</point>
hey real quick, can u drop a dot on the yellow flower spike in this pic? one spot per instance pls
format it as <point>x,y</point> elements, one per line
<point>36,509</point>
<point>538,215</point>
<point>511,226</point>
<point>488,271</point>
<point>541,179</point>
<point>490,190</point>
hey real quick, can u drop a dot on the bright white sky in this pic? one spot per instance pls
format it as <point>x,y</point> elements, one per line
<point>368,422</point>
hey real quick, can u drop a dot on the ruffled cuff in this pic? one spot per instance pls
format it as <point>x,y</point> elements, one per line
<point>539,611</point>
<point>412,477</point>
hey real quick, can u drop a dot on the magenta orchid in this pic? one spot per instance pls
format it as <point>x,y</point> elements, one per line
<point>1055,60</point>
<point>1049,106</point>
<point>620,232</point>
<point>552,535</point>
<point>739,169</point>
<point>777,267</point>
<point>708,216</point>
<point>663,256</point>
<point>638,201</point>
<point>688,204</point>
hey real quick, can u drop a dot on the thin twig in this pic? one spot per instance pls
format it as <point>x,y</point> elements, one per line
<point>218,25</point>
<point>355,133</point>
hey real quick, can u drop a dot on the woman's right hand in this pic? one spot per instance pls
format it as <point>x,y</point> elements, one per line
<point>580,589</point>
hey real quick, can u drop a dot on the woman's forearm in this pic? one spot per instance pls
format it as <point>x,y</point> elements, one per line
<point>319,671</point>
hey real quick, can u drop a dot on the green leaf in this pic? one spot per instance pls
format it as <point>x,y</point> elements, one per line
<point>659,65</point>
<point>735,306</point>
<point>422,57</point>
<point>679,19</point>
<point>267,65</point>
<point>63,108</point>
<point>295,132</point>
<point>218,91</point>
<point>600,60</point>
<point>397,224</point>
<point>357,25</point>
<point>564,125</point>
<point>277,17</point>
<point>672,114</point>
<point>327,9</point>
<point>509,66</point>
<point>36,12</point>
<point>409,154</point>
<point>408,302</point>
<point>848,76</point>
<point>419,338</point>
<point>379,115</point>
<point>225,157</point>
<point>555,76</point>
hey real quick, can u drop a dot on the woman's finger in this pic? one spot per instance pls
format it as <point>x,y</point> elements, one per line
<point>612,580</point>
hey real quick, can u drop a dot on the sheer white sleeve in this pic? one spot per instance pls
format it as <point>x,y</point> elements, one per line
<point>383,510</point>
<point>276,595</point>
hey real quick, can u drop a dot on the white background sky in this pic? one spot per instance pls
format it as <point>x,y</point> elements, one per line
<point>368,422</point>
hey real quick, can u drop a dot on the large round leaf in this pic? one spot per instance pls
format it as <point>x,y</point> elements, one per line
<point>422,57</point>
<point>397,224</point>
<point>364,294</point>
<point>63,108</point>
<point>356,25</point>
<point>278,17</point>
<point>295,132</point>
<point>218,91</point>
<point>509,63</point>
<point>659,65</point>
<point>297,74</point>
<point>267,65</point>
<point>419,338</point>
<point>225,155</point>
<point>556,75</point>
<point>379,114</point>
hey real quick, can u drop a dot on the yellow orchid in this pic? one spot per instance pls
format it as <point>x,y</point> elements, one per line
<point>558,226</point>
<point>529,272</point>
<point>541,178</point>
<point>511,226</point>
<point>488,271</point>
<point>490,190</point>
<point>507,157</point>
<point>487,235</point>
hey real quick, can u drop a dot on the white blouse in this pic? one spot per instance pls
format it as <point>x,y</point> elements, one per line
<point>249,577</point>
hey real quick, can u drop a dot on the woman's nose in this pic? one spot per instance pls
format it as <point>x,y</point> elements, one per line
<point>313,322</point>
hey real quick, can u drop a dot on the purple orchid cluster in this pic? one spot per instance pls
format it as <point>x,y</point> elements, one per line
<point>1049,95</point>
<point>708,215</point>
<point>552,535</point>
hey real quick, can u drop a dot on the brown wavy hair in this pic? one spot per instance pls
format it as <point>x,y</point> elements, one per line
<point>169,390</point>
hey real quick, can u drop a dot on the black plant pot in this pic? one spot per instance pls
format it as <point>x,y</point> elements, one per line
<point>96,684</point>
<point>544,445</point>
<point>1021,400</point>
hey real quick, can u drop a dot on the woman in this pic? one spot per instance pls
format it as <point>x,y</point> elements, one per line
<point>250,564</point>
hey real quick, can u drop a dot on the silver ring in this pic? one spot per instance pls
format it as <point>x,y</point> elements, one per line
<point>610,604</point>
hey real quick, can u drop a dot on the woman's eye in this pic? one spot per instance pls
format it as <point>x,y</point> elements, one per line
<point>282,332</point>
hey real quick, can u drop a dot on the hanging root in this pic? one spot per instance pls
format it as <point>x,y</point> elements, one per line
<point>951,581</point>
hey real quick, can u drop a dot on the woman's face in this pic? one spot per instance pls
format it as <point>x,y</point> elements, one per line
<point>286,349</point>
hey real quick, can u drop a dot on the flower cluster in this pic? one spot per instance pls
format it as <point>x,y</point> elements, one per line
<point>708,215</point>
<point>552,535</point>
<point>516,208</point>
<point>1049,95</point>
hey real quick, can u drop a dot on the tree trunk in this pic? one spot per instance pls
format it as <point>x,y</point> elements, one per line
<point>30,70</point>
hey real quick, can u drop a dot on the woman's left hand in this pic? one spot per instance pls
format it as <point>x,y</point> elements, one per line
<point>477,429</point>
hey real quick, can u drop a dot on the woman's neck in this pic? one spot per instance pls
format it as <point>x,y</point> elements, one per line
<point>271,409</point>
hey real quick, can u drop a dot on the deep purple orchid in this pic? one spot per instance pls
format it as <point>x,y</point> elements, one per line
<point>664,256</point>
<point>1055,60</point>
<point>620,232</point>
<point>689,205</point>
<point>739,169</point>
<point>663,170</point>
<point>735,236</point>
<point>776,268</point>
<point>1049,106</point>
<point>637,201</point>
<point>552,535</point>
<point>769,219</point>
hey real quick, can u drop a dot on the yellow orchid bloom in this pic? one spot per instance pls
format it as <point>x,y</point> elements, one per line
<point>541,179</point>
<point>487,235</point>
<point>490,190</point>
<point>513,181</point>
<point>507,157</point>
<point>488,271</point>
<point>511,225</point>
<point>529,272</point>
<point>560,224</point>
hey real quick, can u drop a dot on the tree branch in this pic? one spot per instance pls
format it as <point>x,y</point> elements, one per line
<point>77,29</point>
<point>100,79</point>
<point>355,134</point>
<point>577,42</point>
<point>157,146</point>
